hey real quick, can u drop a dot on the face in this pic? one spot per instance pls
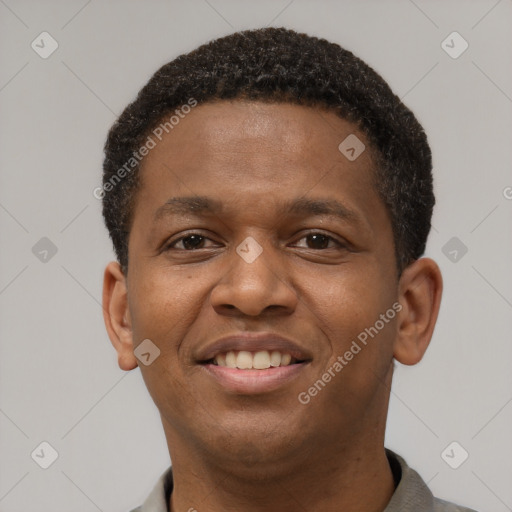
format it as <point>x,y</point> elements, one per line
<point>249,222</point>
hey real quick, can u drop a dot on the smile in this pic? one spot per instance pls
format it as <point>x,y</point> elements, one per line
<point>261,360</point>
<point>244,372</point>
<point>253,363</point>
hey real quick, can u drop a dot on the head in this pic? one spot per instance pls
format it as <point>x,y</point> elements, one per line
<point>244,153</point>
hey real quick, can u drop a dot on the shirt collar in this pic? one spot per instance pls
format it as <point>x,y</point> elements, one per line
<point>412,492</point>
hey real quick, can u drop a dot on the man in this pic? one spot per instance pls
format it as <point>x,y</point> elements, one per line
<point>269,200</point>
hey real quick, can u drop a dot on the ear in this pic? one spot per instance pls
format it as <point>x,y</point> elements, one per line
<point>117,315</point>
<point>420,290</point>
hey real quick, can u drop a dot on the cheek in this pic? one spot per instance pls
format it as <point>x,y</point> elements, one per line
<point>360,350</point>
<point>347,300</point>
<point>164,305</point>
<point>349,307</point>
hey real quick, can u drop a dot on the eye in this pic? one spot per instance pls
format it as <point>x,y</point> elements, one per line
<point>195,241</point>
<point>188,243</point>
<point>320,241</point>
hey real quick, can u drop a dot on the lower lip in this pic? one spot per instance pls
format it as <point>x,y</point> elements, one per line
<point>254,381</point>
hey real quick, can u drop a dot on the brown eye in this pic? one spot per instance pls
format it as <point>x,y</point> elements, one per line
<point>188,243</point>
<point>319,241</point>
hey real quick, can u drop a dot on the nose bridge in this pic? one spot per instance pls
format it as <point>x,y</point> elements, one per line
<point>255,278</point>
<point>255,263</point>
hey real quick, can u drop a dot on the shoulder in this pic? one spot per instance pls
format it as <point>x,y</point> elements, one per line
<point>446,506</point>
<point>412,493</point>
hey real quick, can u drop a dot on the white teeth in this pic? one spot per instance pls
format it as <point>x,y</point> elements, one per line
<point>261,360</point>
<point>275,358</point>
<point>230,360</point>
<point>285,359</point>
<point>245,360</point>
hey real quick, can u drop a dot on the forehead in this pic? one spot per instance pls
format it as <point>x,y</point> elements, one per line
<point>291,127</point>
<point>256,141</point>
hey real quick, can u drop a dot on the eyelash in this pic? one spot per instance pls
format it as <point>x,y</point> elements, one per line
<point>171,245</point>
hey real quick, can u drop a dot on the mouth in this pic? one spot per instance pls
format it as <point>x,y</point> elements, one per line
<point>260,360</point>
<point>245,372</point>
<point>253,363</point>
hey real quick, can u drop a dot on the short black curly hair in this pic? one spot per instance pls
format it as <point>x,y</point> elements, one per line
<point>280,65</point>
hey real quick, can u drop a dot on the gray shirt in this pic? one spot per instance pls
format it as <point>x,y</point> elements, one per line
<point>411,493</point>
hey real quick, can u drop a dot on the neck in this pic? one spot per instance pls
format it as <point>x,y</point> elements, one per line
<point>352,478</point>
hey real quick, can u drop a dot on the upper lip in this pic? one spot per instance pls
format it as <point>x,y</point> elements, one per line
<point>253,342</point>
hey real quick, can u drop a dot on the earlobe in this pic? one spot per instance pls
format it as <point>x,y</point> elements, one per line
<point>116,315</point>
<point>420,291</point>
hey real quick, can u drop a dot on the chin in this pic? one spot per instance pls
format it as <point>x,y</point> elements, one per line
<point>254,450</point>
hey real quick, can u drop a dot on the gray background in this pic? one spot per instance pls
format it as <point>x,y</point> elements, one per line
<point>59,379</point>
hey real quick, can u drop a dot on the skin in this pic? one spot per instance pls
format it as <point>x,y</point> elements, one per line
<point>268,452</point>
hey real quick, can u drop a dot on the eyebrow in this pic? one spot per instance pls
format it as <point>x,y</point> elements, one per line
<point>203,205</point>
<point>197,205</point>
<point>330,207</point>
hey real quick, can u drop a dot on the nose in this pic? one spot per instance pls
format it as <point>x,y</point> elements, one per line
<point>256,287</point>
